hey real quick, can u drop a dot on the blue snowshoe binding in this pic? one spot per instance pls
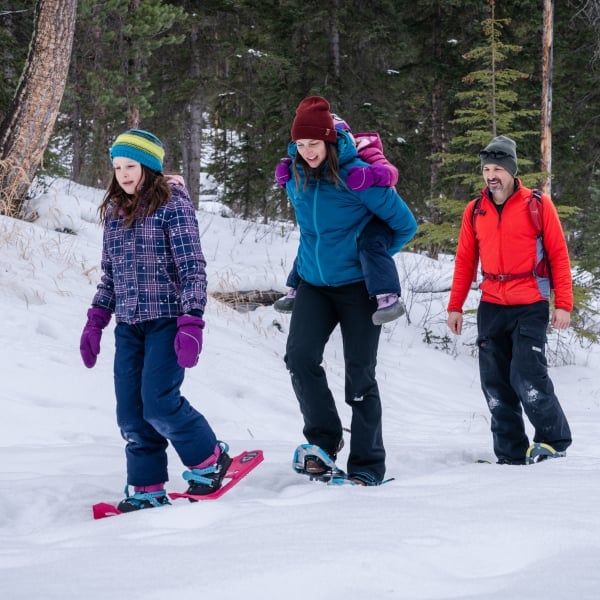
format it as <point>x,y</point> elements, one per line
<point>317,465</point>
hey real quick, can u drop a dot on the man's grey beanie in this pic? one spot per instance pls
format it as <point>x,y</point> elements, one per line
<point>501,151</point>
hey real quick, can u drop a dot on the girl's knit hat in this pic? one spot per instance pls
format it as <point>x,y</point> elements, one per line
<point>313,121</point>
<point>141,146</point>
<point>501,151</point>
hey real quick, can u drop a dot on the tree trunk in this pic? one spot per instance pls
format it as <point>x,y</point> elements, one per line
<point>192,130</point>
<point>28,125</point>
<point>334,40</point>
<point>134,69</point>
<point>546,141</point>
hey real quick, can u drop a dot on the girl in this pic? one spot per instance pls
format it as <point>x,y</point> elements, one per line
<point>154,281</point>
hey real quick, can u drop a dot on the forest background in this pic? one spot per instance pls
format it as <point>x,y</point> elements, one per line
<point>219,81</point>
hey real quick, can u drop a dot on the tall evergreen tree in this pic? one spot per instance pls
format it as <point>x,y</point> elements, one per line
<point>489,107</point>
<point>111,86</point>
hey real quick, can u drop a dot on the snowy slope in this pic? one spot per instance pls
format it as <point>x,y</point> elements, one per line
<point>445,528</point>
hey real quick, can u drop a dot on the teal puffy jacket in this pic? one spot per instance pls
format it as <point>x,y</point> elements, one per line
<point>332,218</point>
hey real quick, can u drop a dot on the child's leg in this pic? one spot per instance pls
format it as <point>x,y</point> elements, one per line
<point>146,449</point>
<point>165,408</point>
<point>379,268</point>
<point>293,278</point>
<point>286,303</point>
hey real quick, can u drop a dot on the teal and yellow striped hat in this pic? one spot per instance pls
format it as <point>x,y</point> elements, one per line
<point>141,146</point>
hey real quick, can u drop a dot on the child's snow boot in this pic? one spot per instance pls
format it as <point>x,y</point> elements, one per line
<point>144,497</point>
<point>389,307</point>
<point>286,303</point>
<point>206,479</point>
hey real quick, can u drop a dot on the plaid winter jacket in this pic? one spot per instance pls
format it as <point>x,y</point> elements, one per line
<point>156,267</point>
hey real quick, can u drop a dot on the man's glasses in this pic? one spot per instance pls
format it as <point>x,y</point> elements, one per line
<point>494,154</point>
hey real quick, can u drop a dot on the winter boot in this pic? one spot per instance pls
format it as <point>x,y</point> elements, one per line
<point>208,479</point>
<point>363,478</point>
<point>389,307</point>
<point>285,304</point>
<point>511,461</point>
<point>140,500</point>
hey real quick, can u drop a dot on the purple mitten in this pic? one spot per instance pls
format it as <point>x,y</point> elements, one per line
<point>188,341</point>
<point>89,345</point>
<point>362,178</point>
<point>282,172</point>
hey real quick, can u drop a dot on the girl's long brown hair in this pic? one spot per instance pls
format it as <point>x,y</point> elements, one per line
<point>154,192</point>
<point>331,173</point>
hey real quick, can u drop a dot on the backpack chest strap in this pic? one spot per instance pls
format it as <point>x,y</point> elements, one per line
<point>507,276</point>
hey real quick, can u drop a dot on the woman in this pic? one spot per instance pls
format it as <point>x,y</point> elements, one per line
<point>332,291</point>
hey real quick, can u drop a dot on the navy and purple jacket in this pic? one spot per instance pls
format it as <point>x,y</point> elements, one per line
<point>156,267</point>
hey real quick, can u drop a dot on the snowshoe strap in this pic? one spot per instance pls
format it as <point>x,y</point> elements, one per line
<point>305,451</point>
<point>197,475</point>
<point>140,497</point>
<point>539,449</point>
<point>365,478</point>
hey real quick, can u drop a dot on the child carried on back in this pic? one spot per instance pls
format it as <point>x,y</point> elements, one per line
<point>379,268</point>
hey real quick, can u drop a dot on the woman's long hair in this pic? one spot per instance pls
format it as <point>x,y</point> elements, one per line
<point>328,169</point>
<point>153,193</point>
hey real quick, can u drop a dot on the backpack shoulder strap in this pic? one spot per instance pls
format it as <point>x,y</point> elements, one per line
<point>535,211</point>
<point>542,268</point>
<point>476,209</point>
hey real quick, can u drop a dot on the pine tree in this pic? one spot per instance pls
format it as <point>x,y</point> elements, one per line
<point>586,246</point>
<point>112,86</point>
<point>489,107</point>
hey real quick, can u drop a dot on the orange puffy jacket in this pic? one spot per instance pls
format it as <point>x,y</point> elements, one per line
<point>506,245</point>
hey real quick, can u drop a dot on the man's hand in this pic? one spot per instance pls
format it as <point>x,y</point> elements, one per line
<point>455,322</point>
<point>560,318</point>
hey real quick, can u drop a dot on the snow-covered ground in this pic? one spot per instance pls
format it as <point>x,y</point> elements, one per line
<point>444,528</point>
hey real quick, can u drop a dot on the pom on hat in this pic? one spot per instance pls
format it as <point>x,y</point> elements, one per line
<point>141,146</point>
<point>313,121</point>
<point>339,123</point>
<point>501,151</point>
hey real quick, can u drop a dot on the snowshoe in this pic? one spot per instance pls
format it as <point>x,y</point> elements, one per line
<point>541,452</point>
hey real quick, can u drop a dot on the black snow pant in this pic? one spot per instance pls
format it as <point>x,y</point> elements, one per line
<point>514,377</point>
<point>317,311</point>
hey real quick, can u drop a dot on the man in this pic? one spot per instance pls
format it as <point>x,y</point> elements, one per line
<point>513,314</point>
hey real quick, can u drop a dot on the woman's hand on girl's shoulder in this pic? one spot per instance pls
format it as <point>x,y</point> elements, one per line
<point>175,180</point>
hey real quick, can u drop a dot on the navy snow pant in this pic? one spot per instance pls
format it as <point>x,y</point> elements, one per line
<point>317,311</point>
<point>378,267</point>
<point>150,408</point>
<point>514,377</point>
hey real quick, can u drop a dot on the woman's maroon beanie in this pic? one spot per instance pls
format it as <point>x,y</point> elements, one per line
<point>313,121</point>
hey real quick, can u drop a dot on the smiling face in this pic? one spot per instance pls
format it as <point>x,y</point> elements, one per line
<point>500,182</point>
<point>313,152</point>
<point>129,174</point>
